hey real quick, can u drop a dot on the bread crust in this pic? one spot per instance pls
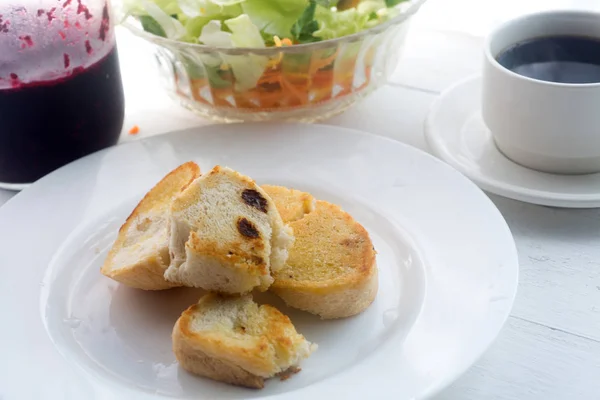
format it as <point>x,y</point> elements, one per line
<point>196,361</point>
<point>226,235</point>
<point>267,345</point>
<point>148,273</point>
<point>341,302</point>
<point>331,270</point>
<point>292,204</point>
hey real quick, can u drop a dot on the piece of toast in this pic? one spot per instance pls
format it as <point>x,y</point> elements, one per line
<point>234,340</point>
<point>226,235</point>
<point>331,270</point>
<point>140,255</point>
<point>292,204</point>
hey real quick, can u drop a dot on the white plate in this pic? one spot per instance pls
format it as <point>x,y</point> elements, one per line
<point>457,134</point>
<point>448,271</point>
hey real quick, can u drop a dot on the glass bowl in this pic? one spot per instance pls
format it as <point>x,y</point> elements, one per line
<point>304,82</point>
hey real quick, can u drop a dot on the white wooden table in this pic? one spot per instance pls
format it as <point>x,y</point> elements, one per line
<point>550,347</point>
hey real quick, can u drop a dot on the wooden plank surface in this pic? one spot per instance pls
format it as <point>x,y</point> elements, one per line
<point>531,361</point>
<point>559,252</point>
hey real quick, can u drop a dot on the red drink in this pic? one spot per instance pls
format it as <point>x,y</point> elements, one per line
<point>61,96</point>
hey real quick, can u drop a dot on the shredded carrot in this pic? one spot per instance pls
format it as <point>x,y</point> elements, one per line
<point>134,130</point>
<point>279,88</point>
<point>281,42</point>
<point>273,63</point>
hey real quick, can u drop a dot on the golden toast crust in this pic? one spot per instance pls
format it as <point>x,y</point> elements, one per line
<point>148,273</point>
<point>161,194</point>
<point>331,270</point>
<point>332,251</point>
<point>226,234</point>
<point>292,204</point>
<point>252,346</point>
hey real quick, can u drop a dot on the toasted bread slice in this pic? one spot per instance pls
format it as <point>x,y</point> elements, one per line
<point>234,340</point>
<point>331,270</point>
<point>226,235</point>
<point>292,204</point>
<point>140,255</point>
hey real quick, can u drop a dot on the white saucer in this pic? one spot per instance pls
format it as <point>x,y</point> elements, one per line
<point>446,281</point>
<point>457,134</point>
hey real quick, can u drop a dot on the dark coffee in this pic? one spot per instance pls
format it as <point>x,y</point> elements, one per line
<point>561,59</point>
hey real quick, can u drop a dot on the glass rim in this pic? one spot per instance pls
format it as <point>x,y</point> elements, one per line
<point>297,48</point>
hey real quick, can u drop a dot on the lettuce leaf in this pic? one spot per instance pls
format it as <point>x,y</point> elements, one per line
<point>370,6</point>
<point>305,26</point>
<point>138,7</point>
<point>216,9</point>
<point>393,3</point>
<point>194,26</point>
<point>303,21</point>
<point>244,33</point>
<point>150,25</point>
<point>191,8</point>
<point>334,24</point>
<point>275,17</point>
<point>213,35</point>
<point>247,69</point>
<point>171,27</point>
<point>327,3</point>
<point>320,23</point>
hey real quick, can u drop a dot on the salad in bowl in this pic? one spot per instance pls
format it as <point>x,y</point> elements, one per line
<point>302,60</point>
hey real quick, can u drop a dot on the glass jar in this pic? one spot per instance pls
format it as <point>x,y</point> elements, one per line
<point>61,95</point>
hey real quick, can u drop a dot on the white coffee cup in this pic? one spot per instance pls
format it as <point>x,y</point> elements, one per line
<point>546,126</point>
